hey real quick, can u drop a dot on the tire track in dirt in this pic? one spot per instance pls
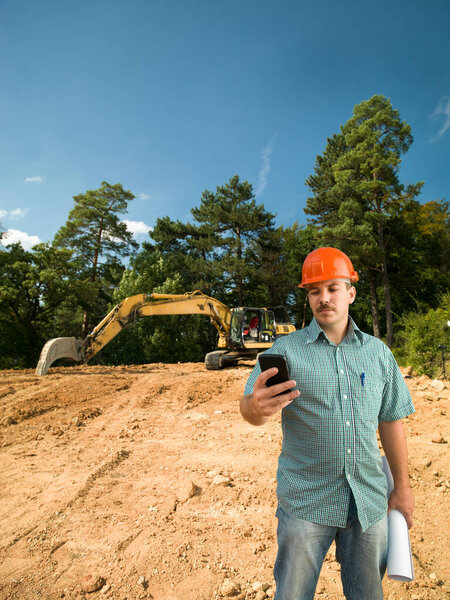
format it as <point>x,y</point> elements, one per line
<point>101,472</point>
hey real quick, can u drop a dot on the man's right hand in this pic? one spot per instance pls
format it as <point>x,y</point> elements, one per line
<point>265,401</point>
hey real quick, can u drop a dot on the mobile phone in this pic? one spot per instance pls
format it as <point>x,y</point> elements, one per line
<point>267,361</point>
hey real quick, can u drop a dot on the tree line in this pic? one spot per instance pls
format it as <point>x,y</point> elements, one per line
<point>232,250</point>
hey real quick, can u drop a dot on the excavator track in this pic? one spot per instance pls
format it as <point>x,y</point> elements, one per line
<point>215,360</point>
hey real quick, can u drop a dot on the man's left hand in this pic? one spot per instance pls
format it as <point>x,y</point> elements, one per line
<point>402,499</point>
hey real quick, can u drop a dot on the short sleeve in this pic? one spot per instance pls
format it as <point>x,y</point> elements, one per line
<point>396,402</point>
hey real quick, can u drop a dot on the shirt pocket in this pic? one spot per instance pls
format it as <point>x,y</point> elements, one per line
<point>367,397</point>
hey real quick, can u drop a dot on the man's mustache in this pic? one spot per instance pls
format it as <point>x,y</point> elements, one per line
<point>325,307</point>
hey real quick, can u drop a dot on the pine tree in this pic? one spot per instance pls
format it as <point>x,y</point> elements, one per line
<point>95,232</point>
<point>232,213</point>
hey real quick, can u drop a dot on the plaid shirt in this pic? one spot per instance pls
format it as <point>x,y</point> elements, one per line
<point>329,432</point>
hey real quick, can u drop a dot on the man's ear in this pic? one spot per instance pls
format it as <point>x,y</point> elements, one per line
<point>352,294</point>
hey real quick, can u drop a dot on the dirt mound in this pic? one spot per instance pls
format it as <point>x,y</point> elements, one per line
<point>144,482</point>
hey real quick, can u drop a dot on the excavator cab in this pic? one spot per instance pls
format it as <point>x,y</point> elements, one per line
<point>252,328</point>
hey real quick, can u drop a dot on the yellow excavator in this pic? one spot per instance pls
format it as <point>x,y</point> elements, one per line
<point>242,332</point>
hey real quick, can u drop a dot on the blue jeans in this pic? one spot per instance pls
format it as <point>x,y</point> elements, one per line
<point>302,547</point>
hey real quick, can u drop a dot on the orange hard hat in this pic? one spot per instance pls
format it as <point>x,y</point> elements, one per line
<point>327,263</point>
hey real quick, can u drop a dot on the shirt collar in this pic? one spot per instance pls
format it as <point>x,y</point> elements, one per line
<point>354,334</point>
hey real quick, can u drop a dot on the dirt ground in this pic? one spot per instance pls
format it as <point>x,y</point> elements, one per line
<point>144,482</point>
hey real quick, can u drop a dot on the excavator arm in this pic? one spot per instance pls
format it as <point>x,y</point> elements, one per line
<point>125,314</point>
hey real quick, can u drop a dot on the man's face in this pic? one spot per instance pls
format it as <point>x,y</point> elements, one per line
<point>329,302</point>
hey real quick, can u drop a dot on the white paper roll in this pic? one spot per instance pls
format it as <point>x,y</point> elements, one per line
<point>399,559</point>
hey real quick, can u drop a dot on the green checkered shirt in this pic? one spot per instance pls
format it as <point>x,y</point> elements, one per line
<point>329,431</point>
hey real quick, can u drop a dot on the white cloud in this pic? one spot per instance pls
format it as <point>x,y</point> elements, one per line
<point>143,197</point>
<point>265,168</point>
<point>13,215</point>
<point>12,236</point>
<point>442,112</point>
<point>36,179</point>
<point>137,227</point>
<point>18,213</point>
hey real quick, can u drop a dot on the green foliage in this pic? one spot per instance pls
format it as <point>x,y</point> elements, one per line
<point>189,250</point>
<point>161,338</point>
<point>421,335</point>
<point>419,254</point>
<point>33,286</point>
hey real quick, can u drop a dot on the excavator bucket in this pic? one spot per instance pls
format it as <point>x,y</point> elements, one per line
<point>64,347</point>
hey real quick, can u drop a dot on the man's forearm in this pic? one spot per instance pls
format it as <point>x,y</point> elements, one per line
<point>393,440</point>
<point>248,411</point>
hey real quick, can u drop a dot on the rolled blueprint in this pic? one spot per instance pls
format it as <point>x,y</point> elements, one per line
<point>399,559</point>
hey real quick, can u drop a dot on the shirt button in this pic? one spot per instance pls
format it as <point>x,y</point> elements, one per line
<point>345,397</point>
<point>341,371</point>
<point>348,423</point>
<point>349,451</point>
<point>349,476</point>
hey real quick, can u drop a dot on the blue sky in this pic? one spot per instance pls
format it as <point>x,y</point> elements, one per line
<point>171,98</point>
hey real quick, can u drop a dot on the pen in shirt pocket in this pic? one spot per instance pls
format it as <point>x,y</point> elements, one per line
<point>363,376</point>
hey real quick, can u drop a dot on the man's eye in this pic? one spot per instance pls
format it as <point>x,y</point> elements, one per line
<point>334,289</point>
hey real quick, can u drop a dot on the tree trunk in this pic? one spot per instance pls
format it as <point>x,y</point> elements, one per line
<point>97,251</point>
<point>374,304</point>
<point>387,292</point>
<point>239,267</point>
<point>84,329</point>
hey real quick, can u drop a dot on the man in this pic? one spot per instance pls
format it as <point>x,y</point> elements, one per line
<point>330,484</point>
<point>253,327</point>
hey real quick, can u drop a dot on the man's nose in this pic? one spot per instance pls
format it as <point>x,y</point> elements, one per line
<point>324,296</point>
